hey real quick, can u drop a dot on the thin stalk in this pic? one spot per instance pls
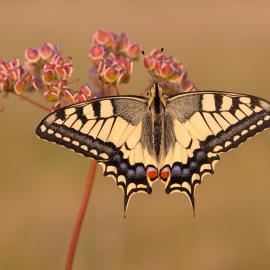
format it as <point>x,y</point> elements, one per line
<point>117,91</point>
<point>81,214</point>
<point>27,99</point>
<point>83,206</point>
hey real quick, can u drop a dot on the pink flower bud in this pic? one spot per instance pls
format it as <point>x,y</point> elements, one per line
<point>133,51</point>
<point>101,37</point>
<point>69,70</point>
<point>110,75</point>
<point>48,66</point>
<point>129,67</point>
<point>166,70</point>
<point>149,62</point>
<point>50,87</point>
<point>68,66</point>
<point>46,50</point>
<point>20,86</point>
<point>32,55</point>
<point>36,83</point>
<point>96,52</point>
<point>51,96</point>
<point>15,74</point>
<point>58,60</point>
<point>61,72</point>
<point>123,42</point>
<point>156,53</point>
<point>112,42</point>
<point>62,83</point>
<point>48,76</point>
<point>178,66</point>
<point>123,78</point>
<point>85,90</point>
<point>15,63</point>
<point>69,97</point>
<point>79,98</point>
<point>5,85</point>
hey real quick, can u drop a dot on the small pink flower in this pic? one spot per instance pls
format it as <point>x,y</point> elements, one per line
<point>110,75</point>
<point>96,52</point>
<point>101,37</point>
<point>47,50</point>
<point>123,42</point>
<point>79,98</point>
<point>31,55</point>
<point>68,96</point>
<point>166,70</point>
<point>86,91</point>
<point>133,51</point>
<point>48,76</point>
<point>23,84</point>
<point>51,95</point>
<point>149,62</point>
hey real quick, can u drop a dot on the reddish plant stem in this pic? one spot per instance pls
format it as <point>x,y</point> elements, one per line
<point>117,91</point>
<point>81,214</point>
<point>84,204</point>
<point>27,99</point>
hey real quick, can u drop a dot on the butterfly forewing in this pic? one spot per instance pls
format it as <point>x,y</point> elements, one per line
<point>110,131</point>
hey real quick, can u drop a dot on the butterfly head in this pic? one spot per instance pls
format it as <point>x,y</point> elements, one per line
<point>156,95</point>
<point>155,91</point>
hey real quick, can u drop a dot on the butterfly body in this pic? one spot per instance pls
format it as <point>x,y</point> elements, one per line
<point>176,139</point>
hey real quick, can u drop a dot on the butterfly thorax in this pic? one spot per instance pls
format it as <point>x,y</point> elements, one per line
<point>157,105</point>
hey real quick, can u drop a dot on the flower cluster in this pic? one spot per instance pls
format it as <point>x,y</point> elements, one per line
<point>46,71</point>
<point>168,71</point>
<point>113,57</point>
<point>10,73</point>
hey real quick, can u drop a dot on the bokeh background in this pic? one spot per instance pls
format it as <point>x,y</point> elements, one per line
<point>224,45</point>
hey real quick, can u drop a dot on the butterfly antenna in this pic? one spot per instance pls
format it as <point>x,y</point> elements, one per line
<point>150,72</point>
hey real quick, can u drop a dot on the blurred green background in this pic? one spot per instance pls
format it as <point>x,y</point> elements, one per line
<point>225,46</point>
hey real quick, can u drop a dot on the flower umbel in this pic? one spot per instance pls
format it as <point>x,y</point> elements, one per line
<point>112,55</point>
<point>168,71</point>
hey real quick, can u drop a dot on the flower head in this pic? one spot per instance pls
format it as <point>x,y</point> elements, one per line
<point>113,56</point>
<point>168,71</point>
<point>10,73</point>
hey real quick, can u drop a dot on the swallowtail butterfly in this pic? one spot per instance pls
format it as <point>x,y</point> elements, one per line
<point>176,139</point>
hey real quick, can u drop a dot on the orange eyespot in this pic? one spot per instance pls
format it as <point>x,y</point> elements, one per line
<point>165,173</point>
<point>152,173</point>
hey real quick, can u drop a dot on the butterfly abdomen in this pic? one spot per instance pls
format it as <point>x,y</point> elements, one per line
<point>158,135</point>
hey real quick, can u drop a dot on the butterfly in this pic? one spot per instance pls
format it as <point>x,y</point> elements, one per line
<point>177,139</point>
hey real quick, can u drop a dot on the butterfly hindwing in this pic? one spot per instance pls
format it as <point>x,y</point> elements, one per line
<point>108,130</point>
<point>207,124</point>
